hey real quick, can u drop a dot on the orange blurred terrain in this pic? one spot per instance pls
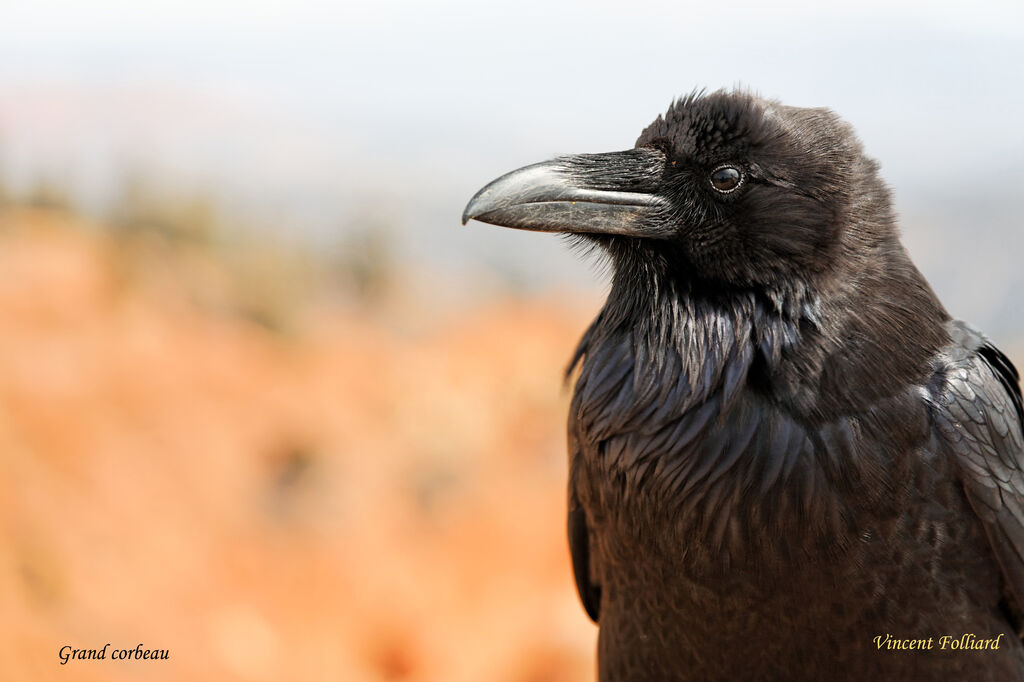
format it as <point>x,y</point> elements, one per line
<point>360,500</point>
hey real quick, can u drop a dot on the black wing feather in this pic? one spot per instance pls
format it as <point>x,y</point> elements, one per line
<point>579,528</point>
<point>1007,374</point>
<point>980,414</point>
<point>579,547</point>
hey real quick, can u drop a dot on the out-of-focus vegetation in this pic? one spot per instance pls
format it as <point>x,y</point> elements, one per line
<point>272,463</point>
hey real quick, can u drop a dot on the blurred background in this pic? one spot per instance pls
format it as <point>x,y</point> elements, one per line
<point>265,403</point>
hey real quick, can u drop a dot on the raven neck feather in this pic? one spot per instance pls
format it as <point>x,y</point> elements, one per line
<point>690,339</point>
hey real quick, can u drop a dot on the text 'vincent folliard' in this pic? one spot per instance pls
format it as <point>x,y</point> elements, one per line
<point>139,653</point>
<point>964,642</point>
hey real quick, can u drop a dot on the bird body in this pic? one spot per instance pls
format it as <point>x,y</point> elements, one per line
<point>732,538</point>
<point>786,460</point>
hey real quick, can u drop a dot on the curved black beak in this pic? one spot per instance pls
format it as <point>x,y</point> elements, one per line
<point>614,193</point>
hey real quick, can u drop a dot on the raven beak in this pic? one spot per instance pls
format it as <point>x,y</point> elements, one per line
<point>613,193</point>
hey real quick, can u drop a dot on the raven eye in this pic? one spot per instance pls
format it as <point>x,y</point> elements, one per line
<point>726,178</point>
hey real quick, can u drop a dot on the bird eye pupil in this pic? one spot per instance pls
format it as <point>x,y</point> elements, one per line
<point>726,178</point>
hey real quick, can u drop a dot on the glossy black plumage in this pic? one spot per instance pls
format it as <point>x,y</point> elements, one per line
<point>781,446</point>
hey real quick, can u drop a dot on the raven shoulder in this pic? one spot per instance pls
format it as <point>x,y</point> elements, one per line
<point>979,414</point>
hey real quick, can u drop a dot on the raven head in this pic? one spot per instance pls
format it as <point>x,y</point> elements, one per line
<point>726,188</point>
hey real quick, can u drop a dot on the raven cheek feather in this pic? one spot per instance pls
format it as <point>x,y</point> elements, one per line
<point>781,447</point>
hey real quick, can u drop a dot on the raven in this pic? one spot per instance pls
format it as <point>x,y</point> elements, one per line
<point>787,461</point>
